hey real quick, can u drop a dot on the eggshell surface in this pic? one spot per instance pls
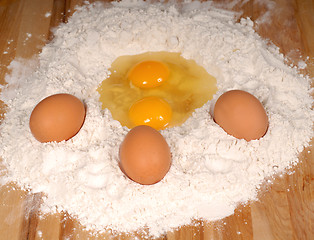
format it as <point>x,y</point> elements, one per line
<point>145,156</point>
<point>56,118</point>
<point>241,115</point>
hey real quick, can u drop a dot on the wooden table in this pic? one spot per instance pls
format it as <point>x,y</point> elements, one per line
<point>285,209</point>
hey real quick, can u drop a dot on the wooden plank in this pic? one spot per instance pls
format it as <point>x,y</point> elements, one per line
<point>305,20</point>
<point>9,29</point>
<point>34,27</point>
<point>48,227</point>
<point>11,212</point>
<point>300,197</point>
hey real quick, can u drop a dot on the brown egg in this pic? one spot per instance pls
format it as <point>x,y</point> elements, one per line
<point>56,118</point>
<point>145,155</point>
<point>241,115</point>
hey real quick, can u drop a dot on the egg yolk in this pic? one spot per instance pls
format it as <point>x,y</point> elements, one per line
<point>151,111</point>
<point>149,74</point>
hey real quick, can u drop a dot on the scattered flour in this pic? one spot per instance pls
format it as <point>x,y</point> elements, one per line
<point>47,14</point>
<point>211,172</point>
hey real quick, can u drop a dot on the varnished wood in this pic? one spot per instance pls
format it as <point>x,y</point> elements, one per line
<point>285,208</point>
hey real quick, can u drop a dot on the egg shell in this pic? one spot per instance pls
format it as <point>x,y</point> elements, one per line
<point>145,156</point>
<point>56,118</point>
<point>241,115</point>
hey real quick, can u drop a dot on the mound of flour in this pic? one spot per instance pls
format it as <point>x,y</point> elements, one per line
<point>211,172</point>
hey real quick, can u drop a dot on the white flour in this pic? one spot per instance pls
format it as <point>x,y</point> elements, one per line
<point>211,172</point>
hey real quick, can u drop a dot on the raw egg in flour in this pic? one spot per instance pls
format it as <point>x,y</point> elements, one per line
<point>178,86</point>
<point>56,118</point>
<point>145,155</point>
<point>241,115</point>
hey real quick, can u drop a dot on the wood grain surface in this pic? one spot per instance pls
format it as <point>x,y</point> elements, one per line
<point>285,209</point>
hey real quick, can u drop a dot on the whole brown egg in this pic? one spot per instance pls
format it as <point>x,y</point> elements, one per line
<point>241,115</point>
<point>145,156</point>
<point>56,118</point>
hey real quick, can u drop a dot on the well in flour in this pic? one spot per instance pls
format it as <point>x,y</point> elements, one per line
<point>211,172</point>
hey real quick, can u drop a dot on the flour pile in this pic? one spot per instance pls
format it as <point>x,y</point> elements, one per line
<point>211,172</point>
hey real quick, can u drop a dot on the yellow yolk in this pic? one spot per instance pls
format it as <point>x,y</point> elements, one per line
<point>151,111</point>
<point>149,74</point>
